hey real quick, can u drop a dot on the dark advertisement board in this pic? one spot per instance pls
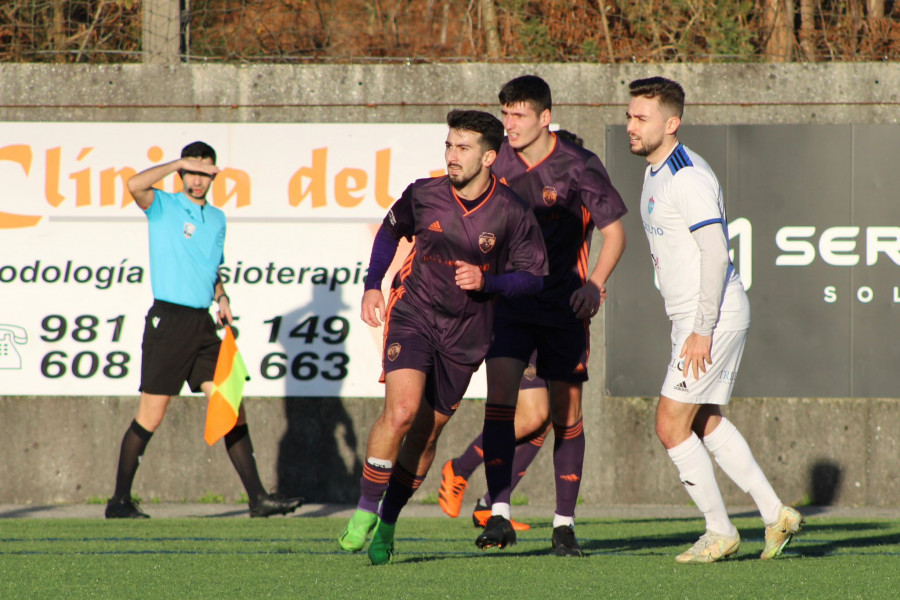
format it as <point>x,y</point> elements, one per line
<point>814,222</point>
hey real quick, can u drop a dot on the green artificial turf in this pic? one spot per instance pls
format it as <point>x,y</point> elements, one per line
<point>435,558</point>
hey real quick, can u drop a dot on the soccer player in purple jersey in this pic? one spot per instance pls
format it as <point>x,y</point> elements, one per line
<point>532,425</point>
<point>571,194</point>
<point>474,239</point>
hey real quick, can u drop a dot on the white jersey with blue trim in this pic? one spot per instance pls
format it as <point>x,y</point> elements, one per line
<point>681,195</point>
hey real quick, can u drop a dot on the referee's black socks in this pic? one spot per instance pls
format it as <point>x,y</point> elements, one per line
<point>133,444</point>
<point>240,451</point>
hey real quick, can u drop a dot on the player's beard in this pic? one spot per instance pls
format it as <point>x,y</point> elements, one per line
<point>462,180</point>
<point>647,147</point>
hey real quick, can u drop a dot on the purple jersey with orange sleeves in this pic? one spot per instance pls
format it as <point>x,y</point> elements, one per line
<point>570,194</point>
<point>500,234</point>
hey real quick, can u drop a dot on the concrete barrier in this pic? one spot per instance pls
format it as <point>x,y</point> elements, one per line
<point>839,451</point>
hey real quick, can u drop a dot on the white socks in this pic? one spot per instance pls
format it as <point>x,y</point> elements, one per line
<point>561,520</point>
<point>736,459</point>
<point>500,508</point>
<point>380,462</point>
<point>696,472</point>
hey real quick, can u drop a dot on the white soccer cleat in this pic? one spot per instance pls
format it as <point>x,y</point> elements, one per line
<point>780,533</point>
<point>710,547</point>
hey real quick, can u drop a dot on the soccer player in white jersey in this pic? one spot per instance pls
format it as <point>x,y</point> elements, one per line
<point>683,215</point>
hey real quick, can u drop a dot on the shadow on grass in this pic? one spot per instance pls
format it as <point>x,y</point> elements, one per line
<point>851,538</point>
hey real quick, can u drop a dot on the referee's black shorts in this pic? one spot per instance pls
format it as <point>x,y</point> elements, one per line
<point>180,344</point>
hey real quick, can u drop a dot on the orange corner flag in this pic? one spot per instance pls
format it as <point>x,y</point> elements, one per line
<point>228,389</point>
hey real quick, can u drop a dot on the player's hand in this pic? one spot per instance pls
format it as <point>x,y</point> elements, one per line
<point>224,316</point>
<point>586,300</point>
<point>469,277</point>
<point>696,354</point>
<point>373,308</point>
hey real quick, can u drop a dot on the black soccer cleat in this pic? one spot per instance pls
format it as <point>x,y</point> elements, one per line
<point>498,533</point>
<point>124,508</point>
<point>564,543</point>
<point>269,504</point>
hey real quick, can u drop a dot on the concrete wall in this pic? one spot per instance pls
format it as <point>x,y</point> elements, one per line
<point>842,451</point>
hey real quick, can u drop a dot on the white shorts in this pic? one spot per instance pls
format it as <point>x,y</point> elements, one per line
<point>714,386</point>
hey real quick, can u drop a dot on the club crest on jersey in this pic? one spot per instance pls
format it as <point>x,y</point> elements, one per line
<point>549,194</point>
<point>393,351</point>
<point>487,241</point>
<point>189,229</point>
<point>650,205</point>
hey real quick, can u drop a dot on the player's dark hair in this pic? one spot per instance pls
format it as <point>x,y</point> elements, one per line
<point>527,88</point>
<point>670,93</point>
<point>199,150</point>
<point>489,126</point>
<point>569,137</point>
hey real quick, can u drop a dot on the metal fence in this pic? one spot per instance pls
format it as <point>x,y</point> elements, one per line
<point>103,31</point>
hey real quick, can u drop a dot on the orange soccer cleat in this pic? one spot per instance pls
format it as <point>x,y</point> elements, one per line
<point>453,488</point>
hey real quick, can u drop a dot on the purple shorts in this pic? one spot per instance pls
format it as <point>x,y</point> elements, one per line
<point>530,379</point>
<point>446,381</point>
<point>562,351</point>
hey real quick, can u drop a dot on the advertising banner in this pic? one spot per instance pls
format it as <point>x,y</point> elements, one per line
<point>303,203</point>
<point>815,235</point>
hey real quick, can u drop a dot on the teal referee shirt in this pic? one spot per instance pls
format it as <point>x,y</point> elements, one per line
<point>187,244</point>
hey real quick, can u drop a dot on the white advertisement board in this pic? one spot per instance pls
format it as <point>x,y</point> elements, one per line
<point>303,203</point>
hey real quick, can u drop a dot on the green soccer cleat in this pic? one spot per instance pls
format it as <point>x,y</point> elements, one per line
<point>711,547</point>
<point>353,538</point>
<point>780,533</point>
<point>381,550</point>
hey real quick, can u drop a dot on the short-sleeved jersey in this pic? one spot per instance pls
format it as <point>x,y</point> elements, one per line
<point>499,233</point>
<point>681,195</point>
<point>570,193</point>
<point>186,249</point>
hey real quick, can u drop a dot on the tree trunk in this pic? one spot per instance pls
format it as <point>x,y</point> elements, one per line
<point>601,4</point>
<point>491,35</point>
<point>445,21</point>
<point>874,9</point>
<point>808,29</point>
<point>779,16</point>
<point>389,26</point>
<point>58,33</point>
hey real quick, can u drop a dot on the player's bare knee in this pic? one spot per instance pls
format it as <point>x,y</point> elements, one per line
<point>150,423</point>
<point>666,434</point>
<point>527,424</point>
<point>400,419</point>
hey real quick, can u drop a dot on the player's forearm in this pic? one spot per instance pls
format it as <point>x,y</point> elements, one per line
<point>517,283</point>
<point>141,185</point>
<point>714,263</point>
<point>219,290</point>
<point>610,253</point>
<point>383,250</point>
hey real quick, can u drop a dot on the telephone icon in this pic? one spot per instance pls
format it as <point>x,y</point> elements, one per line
<point>10,337</point>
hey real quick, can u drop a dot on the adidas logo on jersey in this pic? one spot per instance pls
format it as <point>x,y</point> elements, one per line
<point>681,387</point>
<point>436,226</point>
